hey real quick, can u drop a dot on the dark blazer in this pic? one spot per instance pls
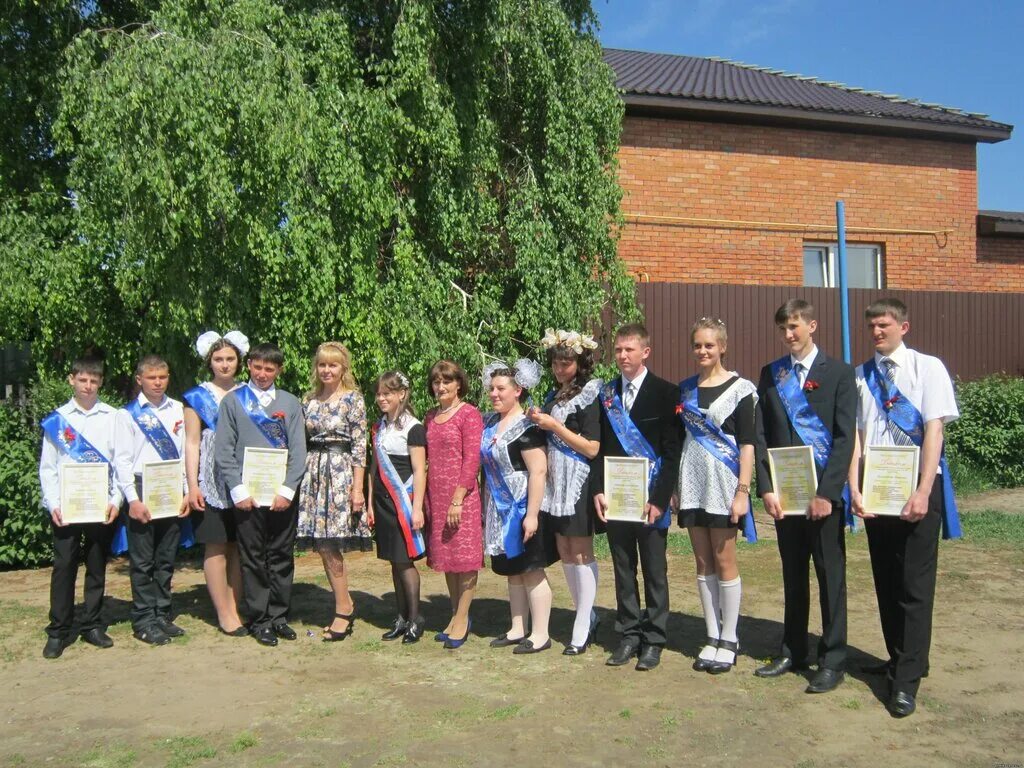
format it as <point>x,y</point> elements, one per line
<point>654,413</point>
<point>835,402</point>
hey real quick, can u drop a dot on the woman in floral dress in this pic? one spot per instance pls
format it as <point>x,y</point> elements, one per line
<point>331,501</point>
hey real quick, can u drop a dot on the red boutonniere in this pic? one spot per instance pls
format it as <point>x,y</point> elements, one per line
<point>679,408</point>
<point>810,385</point>
<point>178,425</point>
<point>890,402</point>
<point>608,403</point>
<point>278,415</point>
<point>69,435</point>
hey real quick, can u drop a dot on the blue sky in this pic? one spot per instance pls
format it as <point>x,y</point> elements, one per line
<point>968,55</point>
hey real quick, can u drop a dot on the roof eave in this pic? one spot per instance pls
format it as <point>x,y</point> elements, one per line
<point>995,226</point>
<point>668,106</point>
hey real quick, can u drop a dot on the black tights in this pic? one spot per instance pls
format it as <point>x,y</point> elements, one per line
<point>407,590</point>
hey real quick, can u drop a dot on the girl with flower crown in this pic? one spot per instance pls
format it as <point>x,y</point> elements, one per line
<point>331,500</point>
<point>512,451</point>
<point>571,417</point>
<point>397,490</point>
<point>213,522</point>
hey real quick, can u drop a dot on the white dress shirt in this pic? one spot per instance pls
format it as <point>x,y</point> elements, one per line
<point>637,383</point>
<point>97,426</point>
<point>922,379</point>
<point>132,448</point>
<point>264,396</point>
<point>807,362</point>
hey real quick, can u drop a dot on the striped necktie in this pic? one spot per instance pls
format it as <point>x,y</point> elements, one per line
<point>628,397</point>
<point>899,437</point>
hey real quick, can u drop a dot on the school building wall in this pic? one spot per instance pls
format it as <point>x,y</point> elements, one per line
<point>778,185</point>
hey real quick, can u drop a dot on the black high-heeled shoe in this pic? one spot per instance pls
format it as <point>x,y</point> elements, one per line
<point>333,636</point>
<point>702,665</point>
<point>718,667</point>
<point>413,631</point>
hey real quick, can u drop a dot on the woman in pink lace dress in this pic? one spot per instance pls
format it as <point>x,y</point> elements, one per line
<point>455,546</point>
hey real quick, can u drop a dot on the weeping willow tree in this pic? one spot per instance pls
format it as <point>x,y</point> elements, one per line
<point>417,179</point>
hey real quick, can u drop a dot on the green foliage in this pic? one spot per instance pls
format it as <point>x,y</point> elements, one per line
<point>24,525</point>
<point>987,438</point>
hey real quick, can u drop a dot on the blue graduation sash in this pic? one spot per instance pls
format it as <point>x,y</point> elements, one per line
<point>558,443</point>
<point>806,422</point>
<point>715,441</point>
<point>901,412</point>
<point>511,511</point>
<point>202,401</point>
<point>401,496</point>
<point>163,444</point>
<point>272,429</point>
<point>633,442</point>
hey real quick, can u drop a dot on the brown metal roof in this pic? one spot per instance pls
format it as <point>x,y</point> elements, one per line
<point>662,82</point>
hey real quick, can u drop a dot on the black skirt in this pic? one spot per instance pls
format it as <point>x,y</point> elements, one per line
<point>698,518</point>
<point>540,552</point>
<point>387,531</point>
<point>213,526</point>
<point>583,523</point>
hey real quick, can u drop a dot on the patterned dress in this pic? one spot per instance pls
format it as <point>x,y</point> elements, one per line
<point>453,459</point>
<point>336,436</point>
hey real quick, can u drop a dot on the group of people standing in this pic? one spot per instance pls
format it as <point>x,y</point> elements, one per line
<point>539,498</point>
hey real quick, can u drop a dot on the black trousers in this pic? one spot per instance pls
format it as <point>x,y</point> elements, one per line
<point>801,541</point>
<point>88,541</point>
<point>630,543</point>
<point>152,548</point>
<point>266,544</point>
<point>904,559</point>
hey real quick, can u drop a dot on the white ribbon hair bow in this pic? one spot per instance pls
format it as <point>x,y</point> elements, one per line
<point>206,340</point>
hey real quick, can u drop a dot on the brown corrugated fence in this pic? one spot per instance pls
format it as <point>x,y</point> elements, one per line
<point>975,334</point>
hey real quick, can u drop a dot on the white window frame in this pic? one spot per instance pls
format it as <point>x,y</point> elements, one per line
<point>830,262</point>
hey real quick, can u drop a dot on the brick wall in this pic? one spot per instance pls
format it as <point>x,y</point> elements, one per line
<point>684,168</point>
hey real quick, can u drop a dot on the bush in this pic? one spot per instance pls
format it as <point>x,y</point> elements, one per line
<point>985,443</point>
<point>24,526</point>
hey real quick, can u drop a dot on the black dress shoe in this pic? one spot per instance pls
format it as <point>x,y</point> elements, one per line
<point>717,667</point>
<point>265,636</point>
<point>240,632</point>
<point>397,631</point>
<point>152,635</point>
<point>575,650</point>
<point>169,628</point>
<point>527,646</point>
<point>650,657</point>
<point>901,704</point>
<point>825,680</point>
<point>627,650</point>
<point>285,632</point>
<point>504,641</point>
<point>413,631</point>
<point>98,637</point>
<point>54,648</point>
<point>779,666</point>
<point>701,665</point>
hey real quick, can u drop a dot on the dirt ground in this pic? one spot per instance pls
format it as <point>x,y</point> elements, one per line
<point>211,700</point>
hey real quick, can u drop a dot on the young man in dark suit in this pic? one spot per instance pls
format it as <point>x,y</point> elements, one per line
<point>259,415</point>
<point>638,419</point>
<point>808,398</point>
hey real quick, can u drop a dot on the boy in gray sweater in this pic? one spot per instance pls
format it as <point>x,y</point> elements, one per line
<point>258,415</point>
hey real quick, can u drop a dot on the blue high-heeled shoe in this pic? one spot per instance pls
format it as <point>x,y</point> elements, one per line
<point>440,637</point>
<point>451,643</point>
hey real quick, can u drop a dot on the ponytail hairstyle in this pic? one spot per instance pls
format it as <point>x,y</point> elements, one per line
<point>396,381</point>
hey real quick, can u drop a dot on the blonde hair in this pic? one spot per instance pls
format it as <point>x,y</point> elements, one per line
<point>332,352</point>
<point>711,324</point>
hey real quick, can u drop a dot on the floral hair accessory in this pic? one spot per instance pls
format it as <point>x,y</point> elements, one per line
<point>402,379</point>
<point>574,340</point>
<point>527,373</point>
<point>236,338</point>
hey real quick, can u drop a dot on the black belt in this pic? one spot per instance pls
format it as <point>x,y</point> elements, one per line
<point>338,447</point>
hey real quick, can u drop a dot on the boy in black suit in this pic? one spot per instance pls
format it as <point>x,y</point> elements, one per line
<point>807,398</point>
<point>638,419</point>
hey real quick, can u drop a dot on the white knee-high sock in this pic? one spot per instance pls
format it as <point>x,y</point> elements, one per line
<point>707,589</point>
<point>586,577</point>
<point>569,569</point>
<point>730,592</point>
<point>518,605</point>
